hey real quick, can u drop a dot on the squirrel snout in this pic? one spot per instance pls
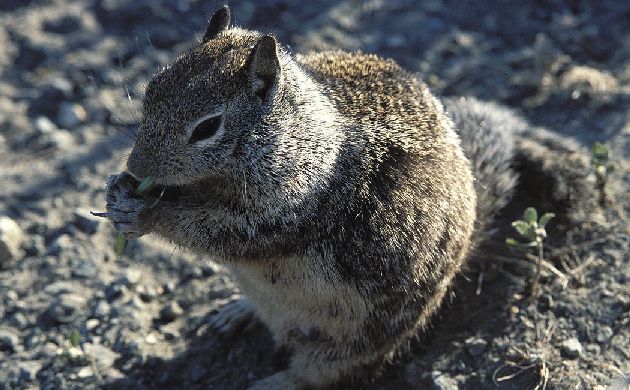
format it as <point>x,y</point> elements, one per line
<point>137,165</point>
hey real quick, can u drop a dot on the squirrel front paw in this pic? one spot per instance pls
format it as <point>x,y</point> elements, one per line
<point>124,210</point>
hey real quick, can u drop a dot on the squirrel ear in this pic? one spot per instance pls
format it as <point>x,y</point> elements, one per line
<point>264,66</point>
<point>218,22</point>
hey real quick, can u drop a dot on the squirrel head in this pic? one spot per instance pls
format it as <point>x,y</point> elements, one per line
<point>236,109</point>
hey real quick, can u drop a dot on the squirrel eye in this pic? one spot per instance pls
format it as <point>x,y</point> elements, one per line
<point>205,129</point>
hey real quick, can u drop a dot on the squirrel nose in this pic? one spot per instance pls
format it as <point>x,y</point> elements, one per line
<point>137,165</point>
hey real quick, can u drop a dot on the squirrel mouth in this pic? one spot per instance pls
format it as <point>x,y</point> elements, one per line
<point>161,192</point>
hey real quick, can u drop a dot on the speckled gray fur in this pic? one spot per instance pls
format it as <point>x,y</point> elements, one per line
<point>338,191</point>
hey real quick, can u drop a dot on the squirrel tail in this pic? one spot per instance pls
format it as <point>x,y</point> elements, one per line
<point>507,154</point>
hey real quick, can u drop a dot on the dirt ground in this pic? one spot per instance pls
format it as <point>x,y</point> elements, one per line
<point>73,315</point>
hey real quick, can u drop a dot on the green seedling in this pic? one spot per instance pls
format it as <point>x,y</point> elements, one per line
<point>75,338</point>
<point>146,185</point>
<point>532,229</point>
<point>603,167</point>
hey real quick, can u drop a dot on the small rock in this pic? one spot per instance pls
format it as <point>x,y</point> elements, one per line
<point>147,293</point>
<point>74,352</point>
<point>61,25</point>
<point>171,311</point>
<point>85,269</point>
<point>11,296</point>
<point>67,308</point>
<point>207,270</point>
<point>593,349</point>
<point>441,381</point>
<point>19,320</point>
<point>44,125</point>
<point>101,309</point>
<point>604,334</point>
<point>54,91</point>
<point>61,287</point>
<point>193,272</point>
<point>71,115</point>
<point>571,348</point>
<point>35,246</point>
<point>136,303</point>
<point>169,287</point>
<point>62,243</point>
<point>85,372</point>
<point>151,339</point>
<point>170,333</point>
<point>86,222</point>
<point>61,139</point>
<point>11,238</point>
<point>91,324</point>
<point>131,277</point>
<point>28,370</point>
<point>115,290</point>
<point>9,340</point>
<point>476,345</point>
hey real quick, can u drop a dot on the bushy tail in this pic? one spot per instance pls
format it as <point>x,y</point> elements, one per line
<point>505,152</point>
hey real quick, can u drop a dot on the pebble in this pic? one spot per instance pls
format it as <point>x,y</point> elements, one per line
<point>476,345</point>
<point>571,348</point>
<point>91,324</point>
<point>170,333</point>
<point>9,340</point>
<point>101,309</point>
<point>63,25</point>
<point>71,115</point>
<point>171,311</point>
<point>62,287</point>
<point>54,91</point>
<point>131,277</point>
<point>85,372</point>
<point>35,246</point>
<point>85,269</point>
<point>62,243</point>
<point>67,307</point>
<point>115,290</point>
<point>19,320</point>
<point>44,125</point>
<point>604,334</point>
<point>169,287</point>
<point>61,139</point>
<point>86,222</point>
<point>147,293</point>
<point>11,239</point>
<point>28,370</point>
<point>150,339</point>
<point>442,381</point>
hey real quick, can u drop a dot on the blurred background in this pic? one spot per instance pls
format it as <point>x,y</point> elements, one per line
<point>72,74</point>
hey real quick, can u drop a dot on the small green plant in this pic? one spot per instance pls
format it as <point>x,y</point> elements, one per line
<point>145,186</point>
<point>75,338</point>
<point>533,229</point>
<point>603,167</point>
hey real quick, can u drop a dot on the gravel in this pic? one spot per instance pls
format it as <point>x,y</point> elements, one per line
<point>11,239</point>
<point>171,311</point>
<point>72,77</point>
<point>571,348</point>
<point>9,340</point>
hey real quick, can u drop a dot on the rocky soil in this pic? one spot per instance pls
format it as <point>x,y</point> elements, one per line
<point>75,315</point>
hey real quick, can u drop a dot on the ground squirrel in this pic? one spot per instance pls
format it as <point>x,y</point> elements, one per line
<point>333,185</point>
